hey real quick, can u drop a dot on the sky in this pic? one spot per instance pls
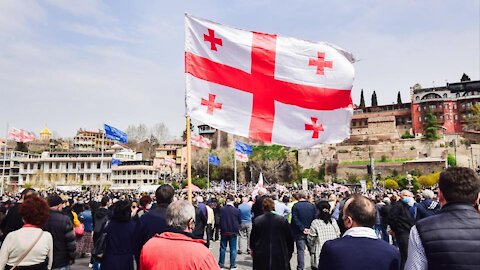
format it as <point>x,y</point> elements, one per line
<point>81,63</point>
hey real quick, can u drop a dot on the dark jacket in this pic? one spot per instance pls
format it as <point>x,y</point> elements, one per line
<point>400,219</point>
<point>384,212</point>
<point>151,223</point>
<point>271,242</point>
<point>200,223</point>
<point>119,249</point>
<point>427,208</point>
<point>451,238</point>
<point>230,220</point>
<point>61,228</point>
<point>358,253</point>
<point>303,213</point>
<point>257,207</point>
<point>12,221</point>
<point>101,216</point>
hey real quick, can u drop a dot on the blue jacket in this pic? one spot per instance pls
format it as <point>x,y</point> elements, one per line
<point>229,220</point>
<point>151,223</point>
<point>303,213</point>
<point>358,253</point>
<point>245,213</point>
<point>87,219</point>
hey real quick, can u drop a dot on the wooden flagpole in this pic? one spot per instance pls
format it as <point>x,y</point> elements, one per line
<point>189,161</point>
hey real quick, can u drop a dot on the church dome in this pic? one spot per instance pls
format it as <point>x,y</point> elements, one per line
<point>45,131</point>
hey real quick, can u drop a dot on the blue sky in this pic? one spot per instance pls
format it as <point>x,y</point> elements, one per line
<point>72,64</point>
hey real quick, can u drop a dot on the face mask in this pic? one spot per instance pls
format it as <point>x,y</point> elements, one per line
<point>409,201</point>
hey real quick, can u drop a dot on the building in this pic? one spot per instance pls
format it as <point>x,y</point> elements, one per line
<point>133,174</point>
<point>380,123</point>
<point>220,139</point>
<point>86,140</point>
<point>175,150</point>
<point>450,104</point>
<point>11,172</point>
<point>45,134</point>
<point>66,168</point>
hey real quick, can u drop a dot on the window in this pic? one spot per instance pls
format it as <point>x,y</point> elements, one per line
<point>98,165</point>
<point>456,116</point>
<point>445,95</point>
<point>417,98</point>
<point>447,106</point>
<point>419,109</point>
<point>455,106</point>
<point>441,117</point>
<point>457,95</point>
<point>419,119</point>
<point>447,116</point>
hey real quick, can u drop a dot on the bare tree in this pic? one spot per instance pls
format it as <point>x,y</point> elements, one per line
<point>160,132</point>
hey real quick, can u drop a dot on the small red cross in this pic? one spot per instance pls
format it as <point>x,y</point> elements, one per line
<point>315,127</point>
<point>320,63</point>
<point>210,103</point>
<point>212,39</point>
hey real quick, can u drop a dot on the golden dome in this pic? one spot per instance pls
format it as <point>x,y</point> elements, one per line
<point>45,131</point>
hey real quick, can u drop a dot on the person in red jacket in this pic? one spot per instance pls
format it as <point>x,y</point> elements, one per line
<point>177,248</point>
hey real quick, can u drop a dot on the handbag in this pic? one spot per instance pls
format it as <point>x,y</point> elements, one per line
<point>80,230</point>
<point>100,245</point>
<point>26,253</point>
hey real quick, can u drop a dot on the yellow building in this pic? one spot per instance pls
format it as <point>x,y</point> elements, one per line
<point>45,134</point>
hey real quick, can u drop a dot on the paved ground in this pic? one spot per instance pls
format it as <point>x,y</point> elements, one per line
<point>244,261</point>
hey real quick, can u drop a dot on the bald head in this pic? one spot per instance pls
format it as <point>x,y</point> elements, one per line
<point>361,210</point>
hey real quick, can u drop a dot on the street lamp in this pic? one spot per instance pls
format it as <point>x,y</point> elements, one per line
<point>409,179</point>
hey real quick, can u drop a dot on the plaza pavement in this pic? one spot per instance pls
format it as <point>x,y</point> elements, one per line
<point>244,261</point>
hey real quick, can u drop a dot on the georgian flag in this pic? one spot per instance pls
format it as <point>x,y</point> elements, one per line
<point>200,141</point>
<point>170,162</point>
<point>266,87</point>
<point>20,135</point>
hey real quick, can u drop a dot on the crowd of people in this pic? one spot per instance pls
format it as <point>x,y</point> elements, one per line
<point>386,229</point>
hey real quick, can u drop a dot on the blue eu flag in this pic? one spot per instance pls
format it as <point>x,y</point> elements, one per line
<point>214,160</point>
<point>115,134</point>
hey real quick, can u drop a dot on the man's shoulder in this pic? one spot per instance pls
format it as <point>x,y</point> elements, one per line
<point>364,242</point>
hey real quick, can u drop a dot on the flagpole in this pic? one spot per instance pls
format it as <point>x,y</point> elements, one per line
<point>189,162</point>
<point>208,172</point>
<point>101,160</point>
<point>235,172</point>
<point>4,160</point>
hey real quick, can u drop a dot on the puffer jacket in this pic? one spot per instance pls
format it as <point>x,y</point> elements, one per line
<point>61,228</point>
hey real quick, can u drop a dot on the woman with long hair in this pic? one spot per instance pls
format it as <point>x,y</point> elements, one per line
<point>30,247</point>
<point>119,240</point>
<point>323,228</point>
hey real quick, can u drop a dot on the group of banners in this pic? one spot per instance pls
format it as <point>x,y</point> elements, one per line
<point>242,150</point>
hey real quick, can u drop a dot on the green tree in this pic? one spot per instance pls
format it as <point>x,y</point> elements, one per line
<point>473,119</point>
<point>21,147</point>
<point>431,126</point>
<point>399,98</point>
<point>429,180</point>
<point>184,135</point>
<point>362,100</point>
<point>451,160</point>
<point>374,99</point>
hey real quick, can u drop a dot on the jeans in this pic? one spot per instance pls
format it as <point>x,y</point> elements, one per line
<point>209,234</point>
<point>301,242</point>
<point>381,231</point>
<point>245,230</point>
<point>232,242</point>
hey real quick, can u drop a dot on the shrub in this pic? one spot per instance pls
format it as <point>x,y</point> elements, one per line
<point>429,180</point>
<point>384,158</point>
<point>391,184</point>
<point>412,147</point>
<point>452,161</point>
<point>407,135</point>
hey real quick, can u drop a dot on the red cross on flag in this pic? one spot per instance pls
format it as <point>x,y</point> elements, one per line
<point>266,87</point>
<point>20,135</point>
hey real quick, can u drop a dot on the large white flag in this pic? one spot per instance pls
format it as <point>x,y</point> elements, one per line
<point>266,87</point>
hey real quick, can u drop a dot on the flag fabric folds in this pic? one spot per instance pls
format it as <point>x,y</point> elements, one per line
<point>266,87</point>
<point>242,151</point>
<point>115,134</point>
<point>200,141</point>
<point>169,162</point>
<point>116,162</point>
<point>20,135</point>
<point>213,160</point>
